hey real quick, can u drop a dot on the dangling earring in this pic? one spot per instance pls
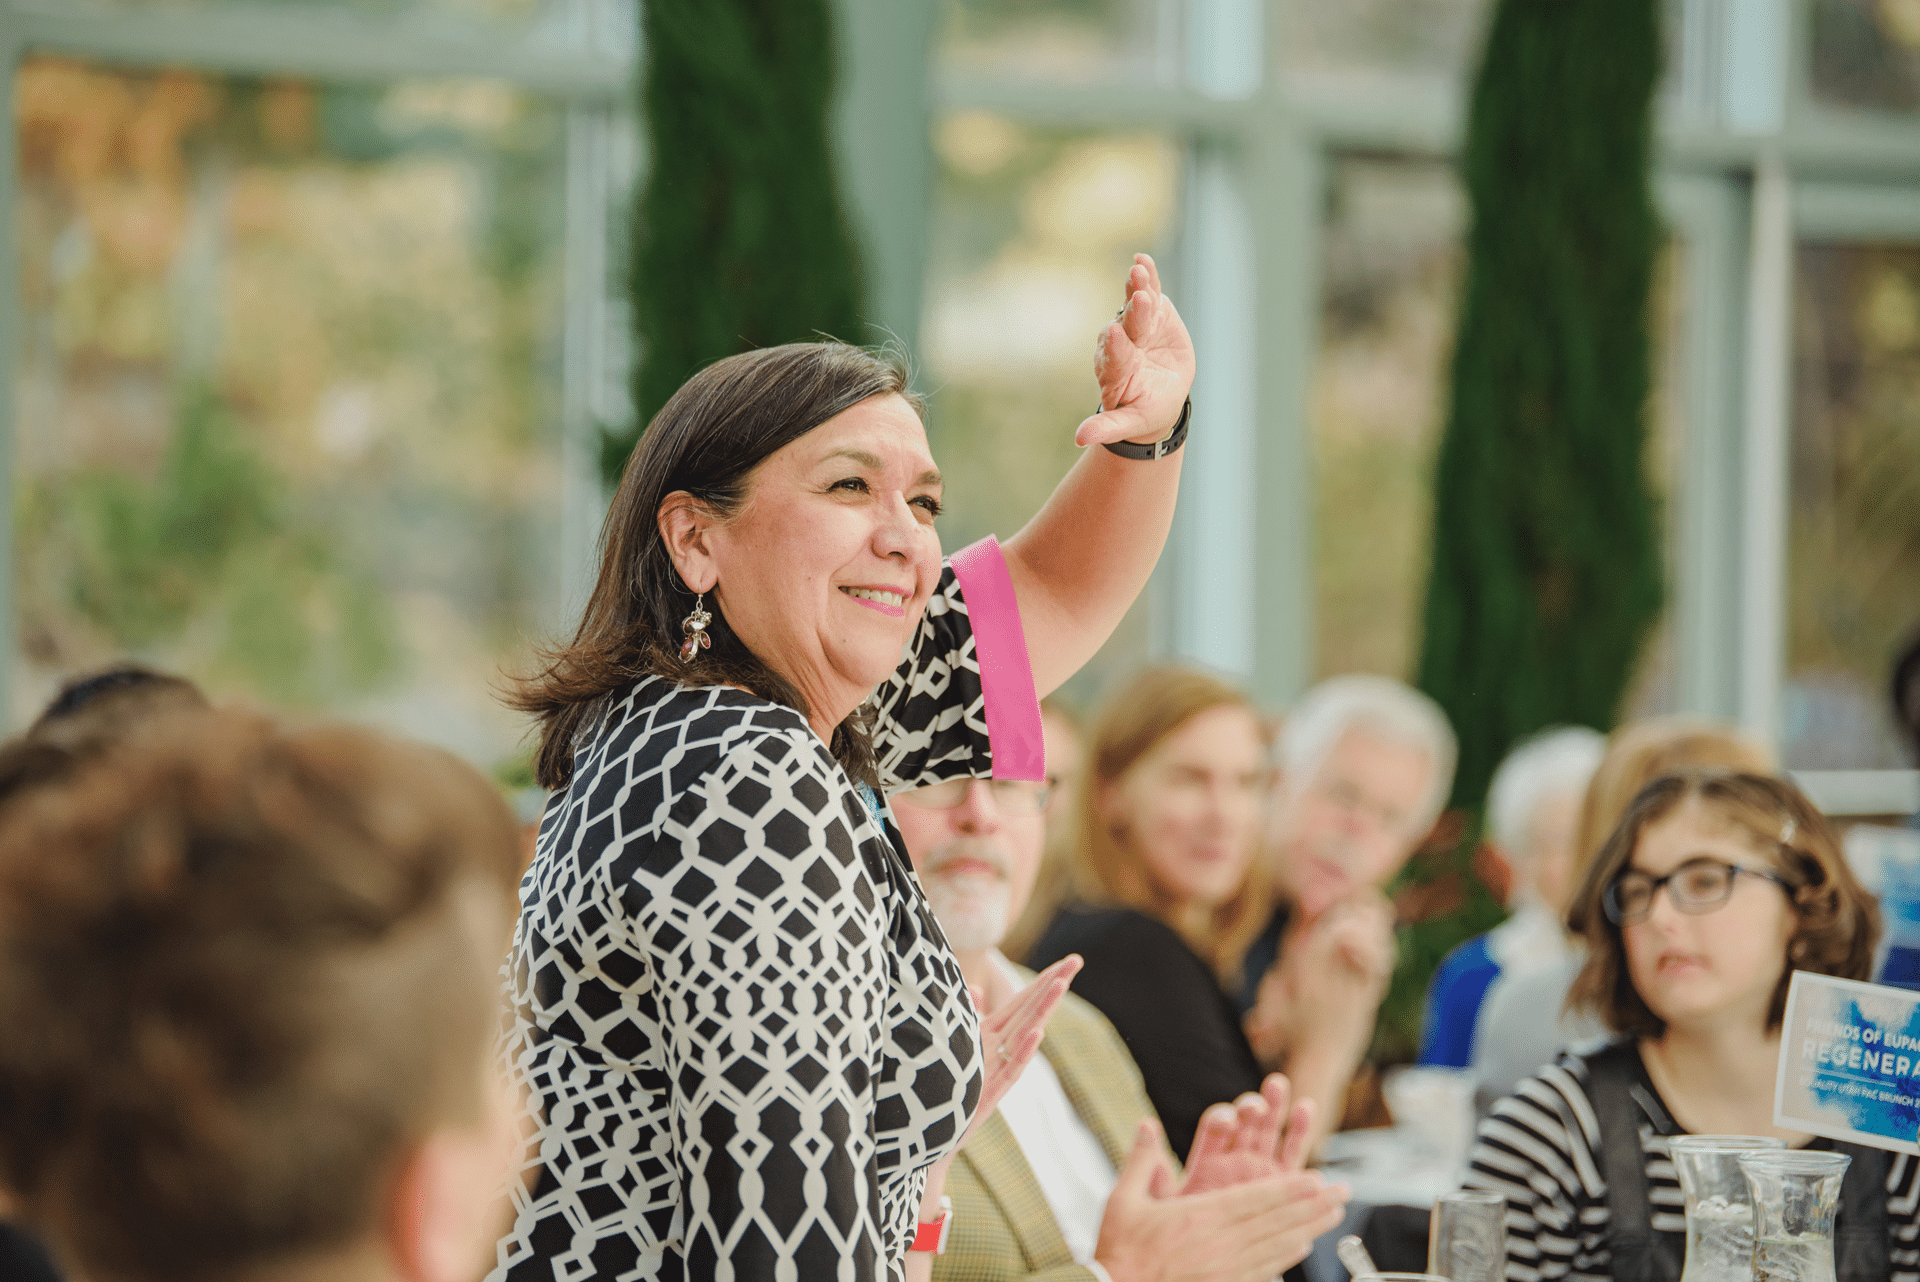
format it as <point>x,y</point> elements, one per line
<point>695,627</point>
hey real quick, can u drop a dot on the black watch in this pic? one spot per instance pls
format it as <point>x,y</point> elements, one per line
<point>1159,449</point>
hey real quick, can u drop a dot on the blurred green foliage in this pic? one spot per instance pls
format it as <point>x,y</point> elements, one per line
<point>1547,572</point>
<point>740,241</point>
<point>1547,575</point>
<point>215,541</point>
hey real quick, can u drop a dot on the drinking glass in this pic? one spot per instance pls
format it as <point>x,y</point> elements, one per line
<point>1468,1240</point>
<point>1796,1194</point>
<point>1719,1203</point>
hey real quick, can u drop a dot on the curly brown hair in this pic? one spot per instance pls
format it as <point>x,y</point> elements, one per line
<point>1839,922</point>
<point>244,966</point>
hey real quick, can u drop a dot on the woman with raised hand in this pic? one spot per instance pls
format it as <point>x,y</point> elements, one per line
<point>747,1050</point>
<point>1713,889</point>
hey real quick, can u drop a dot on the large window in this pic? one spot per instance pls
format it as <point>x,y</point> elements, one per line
<point>286,391</point>
<point>306,364</point>
<point>1032,234</point>
<point>1318,231</point>
<point>1389,282</point>
<point>1390,262</point>
<point>1854,533</point>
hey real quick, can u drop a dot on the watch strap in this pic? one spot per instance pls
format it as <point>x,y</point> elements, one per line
<point>931,1235</point>
<point>1159,449</point>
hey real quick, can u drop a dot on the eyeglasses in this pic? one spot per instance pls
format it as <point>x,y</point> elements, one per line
<point>1697,886</point>
<point>1010,796</point>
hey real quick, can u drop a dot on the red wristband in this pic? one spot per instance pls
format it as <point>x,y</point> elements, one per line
<point>931,1235</point>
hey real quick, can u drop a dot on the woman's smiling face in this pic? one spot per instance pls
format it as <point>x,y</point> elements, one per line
<point>827,567</point>
<point>1189,807</point>
<point>1698,969</point>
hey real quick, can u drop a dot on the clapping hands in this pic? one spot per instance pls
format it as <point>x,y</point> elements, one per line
<point>1253,1137</point>
<point>1326,986</point>
<point>1245,1212</point>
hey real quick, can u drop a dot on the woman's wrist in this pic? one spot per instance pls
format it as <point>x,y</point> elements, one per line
<point>1159,444</point>
<point>936,1189</point>
<point>1323,1064</point>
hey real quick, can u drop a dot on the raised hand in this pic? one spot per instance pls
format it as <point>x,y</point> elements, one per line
<point>1010,1036</point>
<point>1252,1138</point>
<point>1144,364</point>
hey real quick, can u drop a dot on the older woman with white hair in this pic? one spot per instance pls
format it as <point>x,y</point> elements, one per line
<point>1533,822</point>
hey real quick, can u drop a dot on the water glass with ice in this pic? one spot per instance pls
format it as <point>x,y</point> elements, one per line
<point>1796,1195</point>
<point>1719,1203</point>
<point>1468,1238</point>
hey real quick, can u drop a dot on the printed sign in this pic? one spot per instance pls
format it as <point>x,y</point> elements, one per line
<point>1850,1062</point>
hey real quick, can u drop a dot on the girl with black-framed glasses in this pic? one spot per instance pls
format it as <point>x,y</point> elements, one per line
<point>1712,890</point>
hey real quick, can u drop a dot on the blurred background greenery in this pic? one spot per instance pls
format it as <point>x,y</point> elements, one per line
<point>287,386</point>
<point>320,311</point>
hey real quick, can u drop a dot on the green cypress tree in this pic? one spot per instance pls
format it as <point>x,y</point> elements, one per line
<point>739,239</point>
<point>1547,570</point>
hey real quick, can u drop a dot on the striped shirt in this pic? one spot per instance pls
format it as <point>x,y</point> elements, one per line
<point>1540,1147</point>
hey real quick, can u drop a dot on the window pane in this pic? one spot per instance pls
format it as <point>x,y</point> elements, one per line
<point>1440,36</point>
<point>1854,526</point>
<point>1866,53</point>
<point>1391,262</point>
<point>1078,40</point>
<point>286,404</point>
<point>515,12</point>
<point>1032,233</point>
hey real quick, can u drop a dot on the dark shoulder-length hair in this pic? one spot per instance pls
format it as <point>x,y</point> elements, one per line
<point>706,441</point>
<point>1839,922</point>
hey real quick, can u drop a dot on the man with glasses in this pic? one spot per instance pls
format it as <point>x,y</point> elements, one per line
<point>1366,764</point>
<point>1064,1181</point>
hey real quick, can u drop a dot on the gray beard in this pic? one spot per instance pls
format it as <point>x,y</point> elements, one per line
<point>972,911</point>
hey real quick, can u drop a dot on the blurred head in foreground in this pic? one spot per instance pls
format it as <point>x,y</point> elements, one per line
<point>108,702</point>
<point>1366,764</point>
<point>259,969</point>
<point>1169,805</point>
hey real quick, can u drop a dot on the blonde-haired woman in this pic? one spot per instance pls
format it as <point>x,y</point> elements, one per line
<point>1166,822</point>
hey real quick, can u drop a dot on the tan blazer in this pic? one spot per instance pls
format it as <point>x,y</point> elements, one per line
<point>1003,1230</point>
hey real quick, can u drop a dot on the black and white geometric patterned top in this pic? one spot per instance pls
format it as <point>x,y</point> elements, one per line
<point>742,1037</point>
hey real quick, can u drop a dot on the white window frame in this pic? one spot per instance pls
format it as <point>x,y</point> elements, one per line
<point>581,54</point>
<point>1738,140</point>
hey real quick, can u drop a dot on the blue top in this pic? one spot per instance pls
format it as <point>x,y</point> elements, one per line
<point>1453,1004</point>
